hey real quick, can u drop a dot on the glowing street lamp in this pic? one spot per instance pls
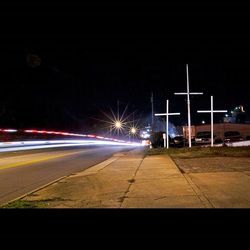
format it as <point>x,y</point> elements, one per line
<point>118,124</point>
<point>133,130</point>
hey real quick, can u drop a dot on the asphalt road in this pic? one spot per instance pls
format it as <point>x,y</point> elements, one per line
<point>22,172</point>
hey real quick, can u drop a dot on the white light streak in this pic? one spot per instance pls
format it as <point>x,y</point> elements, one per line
<point>29,145</point>
<point>8,130</point>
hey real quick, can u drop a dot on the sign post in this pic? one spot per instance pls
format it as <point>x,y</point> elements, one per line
<point>164,138</point>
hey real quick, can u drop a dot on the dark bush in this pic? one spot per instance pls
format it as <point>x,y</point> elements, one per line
<point>157,140</point>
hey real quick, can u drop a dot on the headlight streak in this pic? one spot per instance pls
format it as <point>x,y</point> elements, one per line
<point>29,145</point>
<point>34,131</point>
<point>100,139</point>
<point>8,130</point>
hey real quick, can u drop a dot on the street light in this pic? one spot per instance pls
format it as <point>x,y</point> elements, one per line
<point>118,124</point>
<point>133,130</point>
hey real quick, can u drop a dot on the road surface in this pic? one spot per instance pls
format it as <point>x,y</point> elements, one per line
<point>24,171</point>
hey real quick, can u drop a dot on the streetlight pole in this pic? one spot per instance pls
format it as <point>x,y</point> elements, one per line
<point>188,105</point>
<point>118,119</point>
<point>167,114</point>
<point>152,107</point>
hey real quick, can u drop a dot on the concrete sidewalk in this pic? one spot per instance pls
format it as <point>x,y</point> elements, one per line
<point>127,180</point>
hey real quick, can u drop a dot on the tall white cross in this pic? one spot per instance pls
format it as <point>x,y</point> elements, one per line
<point>188,106</point>
<point>167,114</point>
<point>212,111</point>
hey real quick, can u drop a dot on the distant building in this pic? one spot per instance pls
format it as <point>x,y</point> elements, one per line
<point>219,130</point>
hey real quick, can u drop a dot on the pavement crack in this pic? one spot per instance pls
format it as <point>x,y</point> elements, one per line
<point>131,181</point>
<point>201,196</point>
<point>160,198</point>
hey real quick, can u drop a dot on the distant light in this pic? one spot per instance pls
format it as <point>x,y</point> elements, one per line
<point>92,136</point>
<point>145,142</point>
<point>118,124</point>
<point>133,130</point>
<point>226,115</point>
<point>172,135</point>
<point>8,130</point>
<point>145,135</point>
<point>203,122</point>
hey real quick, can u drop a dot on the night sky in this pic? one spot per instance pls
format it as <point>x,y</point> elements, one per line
<point>94,54</point>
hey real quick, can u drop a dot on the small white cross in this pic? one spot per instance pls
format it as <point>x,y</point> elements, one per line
<point>166,143</point>
<point>212,111</point>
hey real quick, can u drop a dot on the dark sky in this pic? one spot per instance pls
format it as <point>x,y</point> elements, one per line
<point>93,54</point>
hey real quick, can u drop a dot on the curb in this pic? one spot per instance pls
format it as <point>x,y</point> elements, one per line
<point>33,191</point>
<point>100,166</point>
<point>201,196</point>
<point>196,189</point>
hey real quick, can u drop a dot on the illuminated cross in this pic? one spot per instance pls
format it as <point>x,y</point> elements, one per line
<point>188,106</point>
<point>212,111</point>
<point>167,114</point>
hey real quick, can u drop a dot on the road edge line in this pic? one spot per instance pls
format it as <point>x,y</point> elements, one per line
<point>57,180</point>
<point>33,191</point>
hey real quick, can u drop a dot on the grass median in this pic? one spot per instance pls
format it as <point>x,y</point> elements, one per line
<point>207,159</point>
<point>26,204</point>
<point>201,152</point>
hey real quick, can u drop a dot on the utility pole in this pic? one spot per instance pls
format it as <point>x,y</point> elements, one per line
<point>118,117</point>
<point>152,106</point>
<point>212,111</point>
<point>188,105</point>
<point>166,144</point>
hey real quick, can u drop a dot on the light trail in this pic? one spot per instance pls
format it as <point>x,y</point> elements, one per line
<point>8,130</point>
<point>29,145</point>
<point>45,132</point>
